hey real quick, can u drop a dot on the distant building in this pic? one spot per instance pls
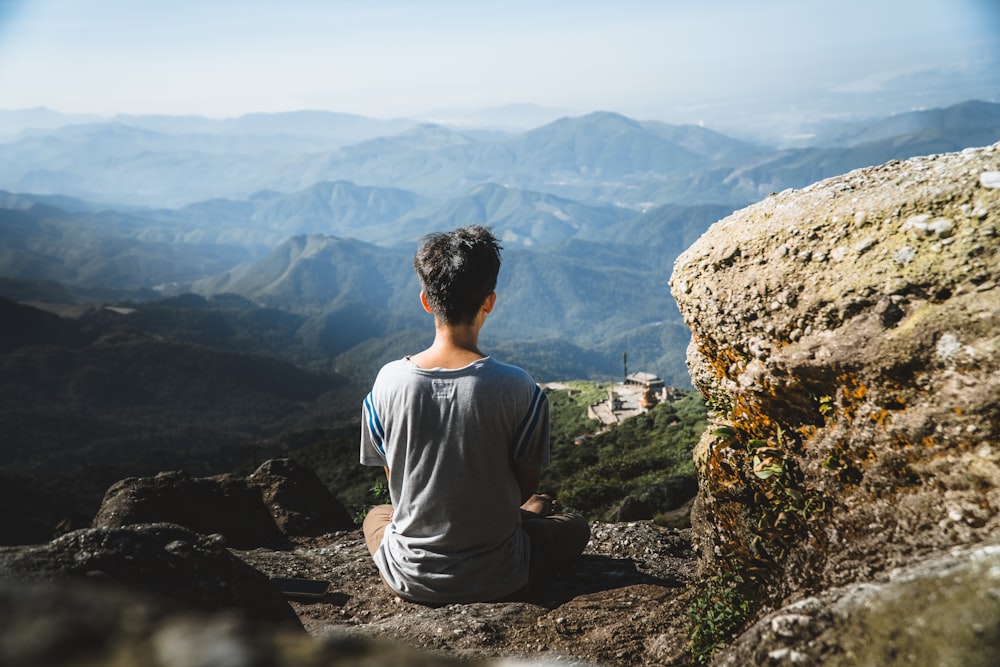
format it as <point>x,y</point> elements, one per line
<point>640,392</point>
<point>645,380</point>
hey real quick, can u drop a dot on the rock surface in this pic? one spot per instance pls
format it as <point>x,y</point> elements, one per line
<point>940,611</point>
<point>297,499</point>
<point>847,337</point>
<point>624,603</point>
<point>279,500</point>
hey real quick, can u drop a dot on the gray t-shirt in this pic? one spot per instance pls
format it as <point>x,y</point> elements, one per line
<point>450,438</point>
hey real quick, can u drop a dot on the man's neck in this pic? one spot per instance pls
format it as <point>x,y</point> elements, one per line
<point>454,346</point>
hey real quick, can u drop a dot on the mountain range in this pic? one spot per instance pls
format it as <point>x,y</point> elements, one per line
<point>317,213</point>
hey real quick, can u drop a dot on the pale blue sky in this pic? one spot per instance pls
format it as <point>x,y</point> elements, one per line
<point>649,59</point>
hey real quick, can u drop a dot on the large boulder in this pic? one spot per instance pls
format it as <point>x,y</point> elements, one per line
<point>278,501</point>
<point>221,504</point>
<point>847,337</point>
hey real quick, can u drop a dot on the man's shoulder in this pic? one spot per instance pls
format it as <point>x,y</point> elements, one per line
<point>510,371</point>
<point>393,370</point>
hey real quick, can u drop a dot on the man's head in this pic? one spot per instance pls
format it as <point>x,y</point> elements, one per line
<point>457,271</point>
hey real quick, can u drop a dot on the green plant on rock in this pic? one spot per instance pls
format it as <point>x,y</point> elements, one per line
<point>756,476</point>
<point>721,606</point>
<point>380,491</point>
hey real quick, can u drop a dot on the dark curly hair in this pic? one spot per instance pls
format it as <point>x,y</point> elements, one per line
<point>457,271</point>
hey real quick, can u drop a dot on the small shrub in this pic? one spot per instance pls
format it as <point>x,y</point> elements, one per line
<point>720,608</point>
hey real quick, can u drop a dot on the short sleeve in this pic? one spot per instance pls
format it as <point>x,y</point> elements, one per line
<point>531,440</point>
<point>372,434</point>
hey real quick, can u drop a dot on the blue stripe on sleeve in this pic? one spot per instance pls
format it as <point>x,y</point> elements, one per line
<point>522,437</point>
<point>374,425</point>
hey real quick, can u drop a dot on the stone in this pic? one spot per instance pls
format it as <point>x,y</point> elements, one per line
<point>990,179</point>
<point>166,562</point>
<point>220,504</point>
<point>856,446</point>
<point>278,502</point>
<point>937,611</point>
<point>79,625</point>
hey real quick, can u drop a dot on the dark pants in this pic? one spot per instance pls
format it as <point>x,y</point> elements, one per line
<point>556,540</point>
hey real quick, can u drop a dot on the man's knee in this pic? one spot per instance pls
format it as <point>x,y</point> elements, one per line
<point>374,525</point>
<point>556,540</point>
<point>575,531</point>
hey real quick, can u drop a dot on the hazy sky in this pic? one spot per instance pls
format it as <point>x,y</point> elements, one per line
<point>648,59</point>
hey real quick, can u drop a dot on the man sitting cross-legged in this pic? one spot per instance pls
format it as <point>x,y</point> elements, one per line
<point>463,438</point>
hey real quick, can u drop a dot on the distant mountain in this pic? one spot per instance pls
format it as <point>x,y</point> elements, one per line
<point>920,133</point>
<point>662,232</point>
<point>14,122</point>
<point>337,252</point>
<point>967,124</point>
<point>106,389</point>
<point>164,160</point>
<point>584,293</point>
<point>339,208</point>
<point>600,158</point>
<point>522,217</point>
<point>596,158</point>
<point>111,162</point>
<point>602,144</point>
<point>508,117</point>
<point>429,159</point>
<point>41,242</point>
<point>24,325</point>
<point>332,127</point>
<point>317,273</point>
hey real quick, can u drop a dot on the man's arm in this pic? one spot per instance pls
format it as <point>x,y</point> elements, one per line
<point>527,480</point>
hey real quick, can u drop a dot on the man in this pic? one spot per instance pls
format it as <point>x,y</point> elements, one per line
<point>463,439</point>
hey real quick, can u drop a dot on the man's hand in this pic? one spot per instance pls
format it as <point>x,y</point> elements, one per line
<point>541,504</point>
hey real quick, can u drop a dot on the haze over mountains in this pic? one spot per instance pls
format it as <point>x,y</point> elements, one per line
<point>317,213</point>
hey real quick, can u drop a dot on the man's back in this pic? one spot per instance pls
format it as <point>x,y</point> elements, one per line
<point>450,437</point>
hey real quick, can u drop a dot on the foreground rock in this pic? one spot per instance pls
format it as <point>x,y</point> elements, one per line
<point>849,337</point>
<point>79,625</point>
<point>161,595</point>
<point>624,605</point>
<point>940,611</point>
<point>168,563</point>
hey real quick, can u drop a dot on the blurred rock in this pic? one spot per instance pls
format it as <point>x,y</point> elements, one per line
<point>166,562</point>
<point>940,611</point>
<point>80,625</point>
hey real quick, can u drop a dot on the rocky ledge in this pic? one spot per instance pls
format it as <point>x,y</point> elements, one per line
<point>160,592</point>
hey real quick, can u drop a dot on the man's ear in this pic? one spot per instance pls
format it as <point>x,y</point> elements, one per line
<point>424,303</point>
<point>490,301</point>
